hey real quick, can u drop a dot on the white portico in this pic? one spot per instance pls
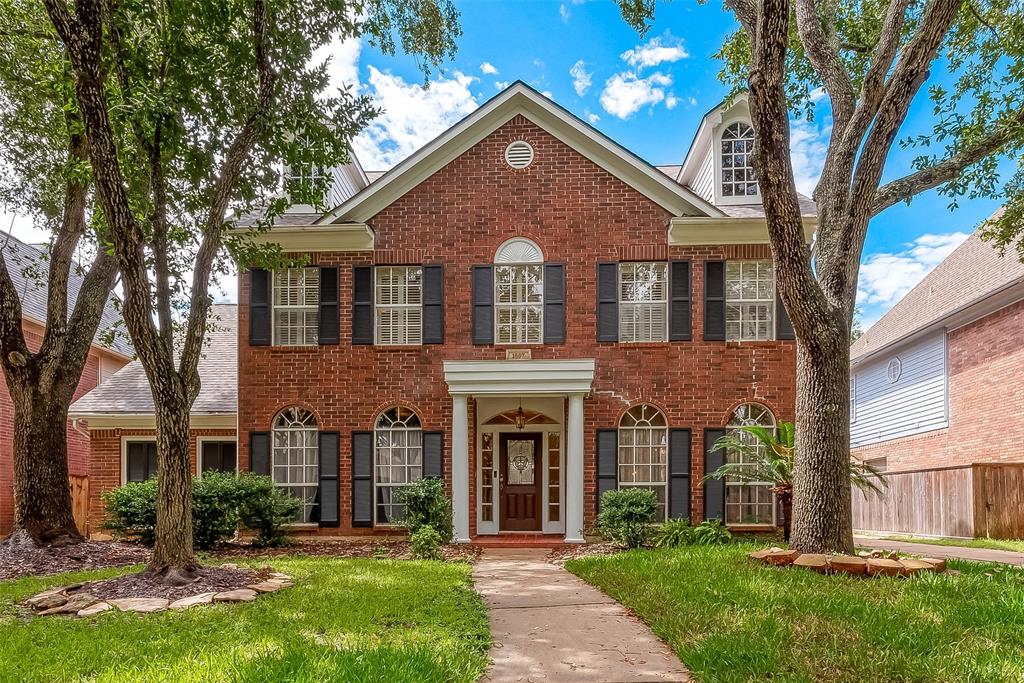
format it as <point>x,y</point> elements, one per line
<point>528,444</point>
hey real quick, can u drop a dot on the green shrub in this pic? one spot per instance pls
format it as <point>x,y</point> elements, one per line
<point>214,509</point>
<point>625,514</point>
<point>265,508</point>
<point>711,532</point>
<point>131,511</point>
<point>673,533</point>
<point>426,543</point>
<point>427,504</point>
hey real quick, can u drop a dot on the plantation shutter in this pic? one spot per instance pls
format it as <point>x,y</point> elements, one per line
<point>259,307</point>
<point>679,474</point>
<point>554,303</point>
<point>329,442</point>
<point>362,479</point>
<point>433,455</point>
<point>607,462</point>
<point>783,325</point>
<point>433,304</point>
<point>714,300</point>
<point>259,453</point>
<point>607,302</point>
<point>362,305</point>
<point>680,318</point>
<point>483,304</point>
<point>328,332</point>
<point>714,489</point>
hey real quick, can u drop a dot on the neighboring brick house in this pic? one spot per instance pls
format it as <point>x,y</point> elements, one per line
<point>526,309</point>
<point>27,266</point>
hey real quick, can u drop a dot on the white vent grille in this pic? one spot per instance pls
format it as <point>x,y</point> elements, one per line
<point>519,154</point>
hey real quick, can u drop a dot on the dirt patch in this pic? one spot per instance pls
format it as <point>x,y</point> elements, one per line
<point>393,549</point>
<point>209,580</point>
<point>20,557</point>
<point>564,553</point>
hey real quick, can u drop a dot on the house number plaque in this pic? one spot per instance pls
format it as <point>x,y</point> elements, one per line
<point>518,354</point>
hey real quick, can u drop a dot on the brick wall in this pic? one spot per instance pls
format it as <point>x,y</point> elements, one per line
<point>578,214</point>
<point>985,396</point>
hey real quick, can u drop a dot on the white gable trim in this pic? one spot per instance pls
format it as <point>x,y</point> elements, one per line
<point>514,100</point>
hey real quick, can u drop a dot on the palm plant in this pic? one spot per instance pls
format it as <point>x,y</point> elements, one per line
<point>768,457</point>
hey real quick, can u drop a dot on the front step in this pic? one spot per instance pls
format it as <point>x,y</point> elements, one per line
<point>537,540</point>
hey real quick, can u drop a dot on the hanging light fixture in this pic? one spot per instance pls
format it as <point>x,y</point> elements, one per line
<point>520,416</point>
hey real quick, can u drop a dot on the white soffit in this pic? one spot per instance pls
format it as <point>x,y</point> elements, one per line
<point>688,232</point>
<point>519,98</point>
<point>333,237</point>
<point>515,377</point>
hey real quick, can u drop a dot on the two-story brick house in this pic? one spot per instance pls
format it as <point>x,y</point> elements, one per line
<point>528,310</point>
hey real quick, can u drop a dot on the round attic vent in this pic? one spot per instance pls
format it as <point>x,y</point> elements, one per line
<point>519,154</point>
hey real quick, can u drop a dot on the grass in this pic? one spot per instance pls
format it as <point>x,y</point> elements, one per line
<point>345,620</point>
<point>1016,546</point>
<point>731,620</point>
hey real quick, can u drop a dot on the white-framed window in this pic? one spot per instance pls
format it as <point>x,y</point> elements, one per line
<point>138,459</point>
<point>295,459</point>
<point>519,293</point>
<point>749,300</point>
<point>397,460</point>
<point>643,302</point>
<point>398,305</point>
<point>738,177</point>
<point>748,502</point>
<point>643,453</point>
<point>296,306</point>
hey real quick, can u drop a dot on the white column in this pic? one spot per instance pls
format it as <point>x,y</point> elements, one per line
<point>574,471</point>
<point>460,466</point>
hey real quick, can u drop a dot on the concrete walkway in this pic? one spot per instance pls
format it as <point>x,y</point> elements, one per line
<point>550,626</point>
<point>943,551</point>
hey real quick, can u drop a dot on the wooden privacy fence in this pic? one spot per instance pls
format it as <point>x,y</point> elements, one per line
<point>80,503</point>
<point>977,500</point>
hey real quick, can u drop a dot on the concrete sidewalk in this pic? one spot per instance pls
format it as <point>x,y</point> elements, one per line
<point>550,626</point>
<point>942,551</point>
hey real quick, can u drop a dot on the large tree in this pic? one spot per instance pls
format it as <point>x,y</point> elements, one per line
<point>47,177</point>
<point>189,106</point>
<point>871,59</point>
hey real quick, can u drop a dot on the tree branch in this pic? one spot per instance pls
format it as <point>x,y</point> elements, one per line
<point>14,353</point>
<point>817,33</point>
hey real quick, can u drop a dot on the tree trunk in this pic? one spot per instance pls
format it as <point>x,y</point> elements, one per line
<point>822,517</point>
<point>42,495</point>
<point>786,500</point>
<point>174,561</point>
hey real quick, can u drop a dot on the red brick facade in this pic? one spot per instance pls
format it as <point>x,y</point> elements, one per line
<point>985,396</point>
<point>579,215</point>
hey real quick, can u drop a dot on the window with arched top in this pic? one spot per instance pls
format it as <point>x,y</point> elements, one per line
<point>519,293</point>
<point>643,452</point>
<point>295,459</point>
<point>748,502</point>
<point>397,460</point>
<point>738,177</point>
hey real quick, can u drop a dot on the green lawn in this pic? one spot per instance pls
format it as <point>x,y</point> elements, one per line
<point>345,620</point>
<point>1016,546</point>
<point>729,619</point>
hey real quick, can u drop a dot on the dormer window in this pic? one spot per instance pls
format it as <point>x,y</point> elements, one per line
<point>304,184</point>
<point>738,178</point>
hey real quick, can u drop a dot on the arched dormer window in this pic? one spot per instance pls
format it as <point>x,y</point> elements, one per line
<point>519,293</point>
<point>738,178</point>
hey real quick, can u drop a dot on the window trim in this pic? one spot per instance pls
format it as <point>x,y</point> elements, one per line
<point>374,463</point>
<point>536,262</point>
<point>273,453</point>
<point>665,301</point>
<point>771,302</point>
<point>274,341</point>
<point>200,440</point>
<point>377,306</point>
<point>666,428</point>
<point>125,440</point>
<point>725,501</point>
<point>720,198</point>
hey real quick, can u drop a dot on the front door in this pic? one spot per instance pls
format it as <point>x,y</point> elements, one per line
<point>520,481</point>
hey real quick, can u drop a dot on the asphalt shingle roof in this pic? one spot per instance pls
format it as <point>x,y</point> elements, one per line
<point>127,390</point>
<point>28,266</point>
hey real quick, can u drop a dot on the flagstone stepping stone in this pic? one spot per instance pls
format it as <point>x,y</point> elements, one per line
<point>237,595</point>
<point>269,586</point>
<point>937,563</point>
<point>93,610</point>
<point>141,605</point>
<point>72,605</point>
<point>782,558</point>
<point>885,567</point>
<point>192,600</point>
<point>760,554</point>
<point>48,599</point>
<point>848,564</point>
<point>818,563</point>
<point>912,566</point>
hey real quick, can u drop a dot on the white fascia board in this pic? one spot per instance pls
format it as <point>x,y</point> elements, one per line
<point>520,99</point>
<point>538,377</point>
<point>688,232</point>
<point>332,237</point>
<point>148,420</point>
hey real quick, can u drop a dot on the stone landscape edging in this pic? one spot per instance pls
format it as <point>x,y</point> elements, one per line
<point>872,564</point>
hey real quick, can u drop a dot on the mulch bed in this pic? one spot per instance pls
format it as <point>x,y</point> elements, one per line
<point>209,580</point>
<point>18,558</point>
<point>379,548</point>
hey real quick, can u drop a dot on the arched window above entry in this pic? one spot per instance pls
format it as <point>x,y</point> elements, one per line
<point>643,452</point>
<point>749,502</point>
<point>519,250</point>
<point>738,177</point>
<point>519,292</point>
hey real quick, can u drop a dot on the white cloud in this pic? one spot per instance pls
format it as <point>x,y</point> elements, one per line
<point>563,10</point>
<point>548,94</point>
<point>886,277</point>
<point>581,78</point>
<point>501,85</point>
<point>693,101</point>
<point>592,117</point>
<point>343,67</point>
<point>625,94</point>
<point>671,101</point>
<point>488,68</point>
<point>656,51</point>
<point>808,145</point>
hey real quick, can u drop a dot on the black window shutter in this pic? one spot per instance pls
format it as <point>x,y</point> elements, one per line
<point>433,455</point>
<point>329,443</point>
<point>607,302</point>
<point>259,307</point>
<point>259,453</point>
<point>483,304</point>
<point>679,474</point>
<point>362,305</point>
<point>680,317</point>
<point>714,300</point>
<point>362,479</point>
<point>714,489</point>
<point>783,325</point>
<point>607,462</point>
<point>433,304</point>
<point>328,332</point>
<point>554,303</point>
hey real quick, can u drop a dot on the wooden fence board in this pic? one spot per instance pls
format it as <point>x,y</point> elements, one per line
<point>999,500</point>
<point>80,503</point>
<point>934,502</point>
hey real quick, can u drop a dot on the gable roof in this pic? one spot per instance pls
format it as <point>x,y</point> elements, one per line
<point>973,273</point>
<point>520,99</point>
<point>127,391</point>
<point>28,267</point>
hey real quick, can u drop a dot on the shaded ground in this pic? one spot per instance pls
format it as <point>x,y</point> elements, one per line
<point>21,559</point>
<point>209,579</point>
<point>380,548</point>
